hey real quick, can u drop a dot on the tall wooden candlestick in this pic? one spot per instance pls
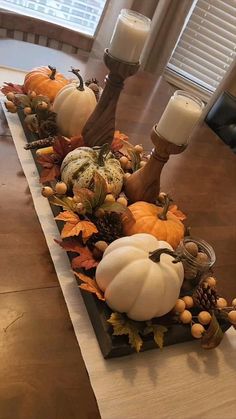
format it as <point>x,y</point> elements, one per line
<point>100,127</point>
<point>144,184</point>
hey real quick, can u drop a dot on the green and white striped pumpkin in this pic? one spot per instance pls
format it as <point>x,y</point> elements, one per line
<point>79,165</point>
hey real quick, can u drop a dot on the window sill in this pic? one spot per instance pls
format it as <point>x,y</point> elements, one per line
<point>51,32</point>
<point>185,84</point>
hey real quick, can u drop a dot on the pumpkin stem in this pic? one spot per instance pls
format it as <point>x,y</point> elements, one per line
<point>53,72</point>
<point>156,255</point>
<point>162,215</point>
<point>104,150</point>
<point>76,71</point>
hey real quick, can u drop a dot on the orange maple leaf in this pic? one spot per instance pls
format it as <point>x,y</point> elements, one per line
<point>68,216</point>
<point>179,214</point>
<point>85,259</point>
<point>118,140</point>
<point>74,226</point>
<point>90,285</point>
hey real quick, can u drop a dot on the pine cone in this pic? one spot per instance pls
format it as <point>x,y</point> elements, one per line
<point>205,297</point>
<point>48,128</point>
<point>47,123</point>
<point>109,228</point>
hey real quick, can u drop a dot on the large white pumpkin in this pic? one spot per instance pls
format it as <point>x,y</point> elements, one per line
<point>73,105</point>
<point>79,165</point>
<point>136,285</point>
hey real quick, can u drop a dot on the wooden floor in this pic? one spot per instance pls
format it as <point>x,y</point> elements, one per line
<point>43,373</point>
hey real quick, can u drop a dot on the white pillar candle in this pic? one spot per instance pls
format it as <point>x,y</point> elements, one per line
<point>129,36</point>
<point>179,118</point>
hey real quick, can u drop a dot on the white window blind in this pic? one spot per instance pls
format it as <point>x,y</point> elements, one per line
<point>207,45</point>
<point>80,15</point>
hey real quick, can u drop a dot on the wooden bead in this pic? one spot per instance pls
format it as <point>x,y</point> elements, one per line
<point>179,306</point>
<point>211,281</point>
<point>188,301</point>
<point>185,317</point>
<point>232,316</point>
<point>197,330</point>
<point>204,317</point>
<point>221,303</point>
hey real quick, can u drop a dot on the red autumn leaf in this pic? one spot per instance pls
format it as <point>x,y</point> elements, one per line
<point>90,285</point>
<point>62,145</point>
<point>76,141</point>
<point>49,174</point>
<point>74,226</point>
<point>118,140</point>
<point>11,87</point>
<point>51,168</point>
<point>179,214</point>
<point>84,260</point>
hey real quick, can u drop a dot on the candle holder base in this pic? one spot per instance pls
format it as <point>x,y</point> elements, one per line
<point>100,127</point>
<point>144,184</point>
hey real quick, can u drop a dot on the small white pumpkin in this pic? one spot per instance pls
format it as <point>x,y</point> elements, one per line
<point>79,165</point>
<point>73,105</point>
<point>136,285</point>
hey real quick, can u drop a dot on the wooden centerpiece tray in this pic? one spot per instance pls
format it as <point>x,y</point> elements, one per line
<point>99,313</point>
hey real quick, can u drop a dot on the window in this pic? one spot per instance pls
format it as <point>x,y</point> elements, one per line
<point>206,47</point>
<point>64,12</point>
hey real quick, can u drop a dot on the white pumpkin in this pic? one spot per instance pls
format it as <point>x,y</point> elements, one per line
<point>73,105</point>
<point>136,285</point>
<point>79,165</point>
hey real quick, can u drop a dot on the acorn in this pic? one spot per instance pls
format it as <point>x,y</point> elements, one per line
<point>99,248</point>
<point>202,258</point>
<point>101,245</point>
<point>192,248</point>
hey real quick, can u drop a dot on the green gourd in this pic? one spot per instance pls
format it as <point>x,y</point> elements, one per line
<point>79,166</point>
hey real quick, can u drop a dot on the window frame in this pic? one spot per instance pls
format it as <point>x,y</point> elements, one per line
<point>12,21</point>
<point>183,82</point>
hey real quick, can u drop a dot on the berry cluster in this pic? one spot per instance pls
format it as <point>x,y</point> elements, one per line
<point>60,189</point>
<point>134,160</point>
<point>29,102</point>
<point>203,318</point>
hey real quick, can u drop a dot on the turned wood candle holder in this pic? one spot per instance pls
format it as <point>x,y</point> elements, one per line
<point>100,127</point>
<point>144,184</point>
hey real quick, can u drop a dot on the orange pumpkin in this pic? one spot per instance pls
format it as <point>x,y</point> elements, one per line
<point>44,81</point>
<point>158,221</point>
